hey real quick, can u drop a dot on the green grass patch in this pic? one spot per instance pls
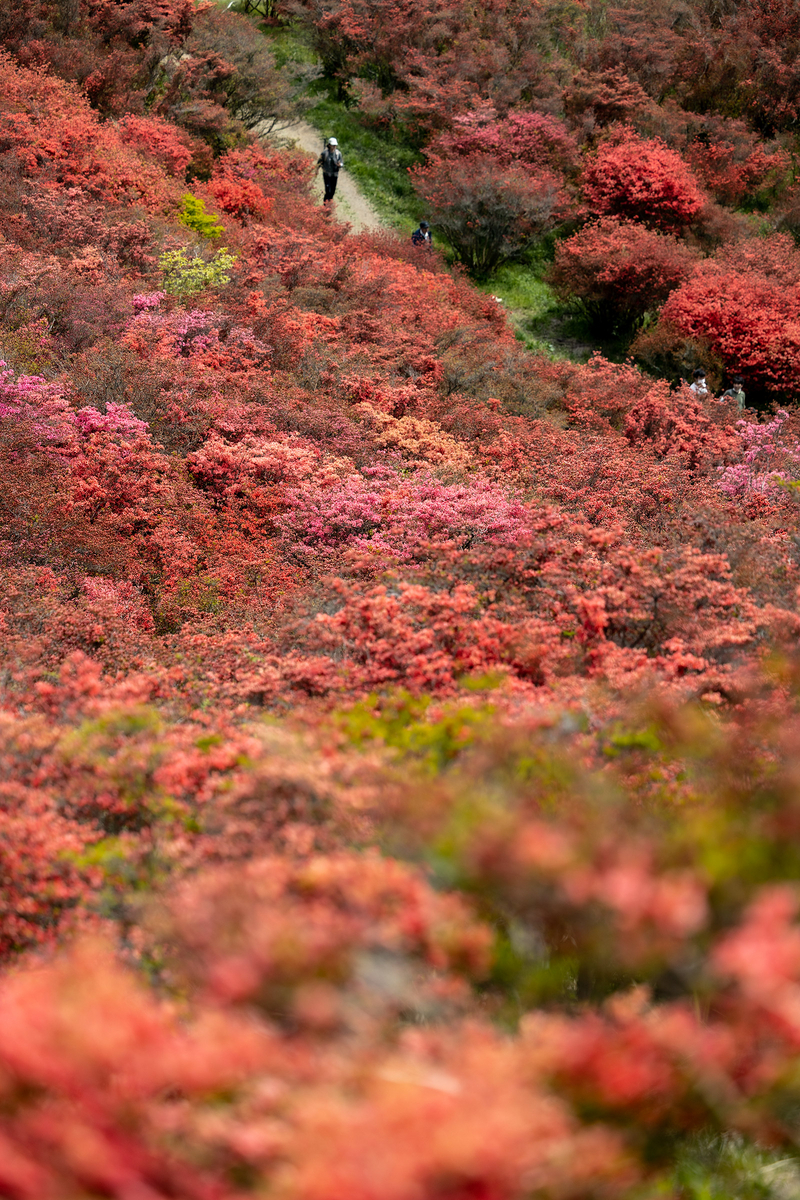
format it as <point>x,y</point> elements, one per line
<point>529,302</point>
<point>290,45</point>
<point>521,289</point>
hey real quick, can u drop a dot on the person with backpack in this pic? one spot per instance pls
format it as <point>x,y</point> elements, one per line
<point>331,162</point>
<point>422,235</point>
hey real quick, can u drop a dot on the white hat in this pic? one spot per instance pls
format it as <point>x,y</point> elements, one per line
<point>332,142</point>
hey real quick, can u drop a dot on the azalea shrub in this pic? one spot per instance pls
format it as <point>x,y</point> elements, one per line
<point>383,514</point>
<point>742,304</point>
<point>641,179</point>
<point>521,137</point>
<point>619,270</point>
<point>733,164</point>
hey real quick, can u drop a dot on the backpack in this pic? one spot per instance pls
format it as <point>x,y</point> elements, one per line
<point>331,161</point>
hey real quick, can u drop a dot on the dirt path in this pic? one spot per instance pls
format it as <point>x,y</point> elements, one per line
<point>349,205</point>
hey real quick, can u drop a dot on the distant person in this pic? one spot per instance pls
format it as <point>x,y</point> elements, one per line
<point>736,392</point>
<point>422,235</point>
<point>331,163</point>
<point>699,385</point>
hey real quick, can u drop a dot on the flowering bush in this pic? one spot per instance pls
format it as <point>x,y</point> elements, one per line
<point>619,270</point>
<point>733,170</point>
<point>520,137</point>
<point>765,463</point>
<point>30,399</point>
<point>742,304</point>
<point>383,514</point>
<point>234,185</point>
<point>641,179</point>
<point>159,140</point>
<point>269,934</point>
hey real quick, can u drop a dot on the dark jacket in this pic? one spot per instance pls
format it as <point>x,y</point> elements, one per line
<point>331,160</point>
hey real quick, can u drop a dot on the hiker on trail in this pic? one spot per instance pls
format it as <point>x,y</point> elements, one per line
<point>331,162</point>
<point>422,235</point>
<point>699,386</point>
<point>736,392</point>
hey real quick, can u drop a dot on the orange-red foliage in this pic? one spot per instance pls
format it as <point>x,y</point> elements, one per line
<point>49,130</point>
<point>641,179</point>
<point>414,716</point>
<point>743,303</point>
<point>619,270</point>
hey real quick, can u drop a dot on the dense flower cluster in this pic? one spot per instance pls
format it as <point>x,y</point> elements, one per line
<point>641,179</point>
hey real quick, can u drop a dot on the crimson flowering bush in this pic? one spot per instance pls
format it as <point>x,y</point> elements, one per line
<point>742,303</point>
<point>43,1137</point>
<point>46,885</point>
<point>521,137</point>
<point>254,476</point>
<point>618,270</point>
<point>418,636</point>
<point>160,140</point>
<point>732,170</point>
<point>234,185</point>
<point>641,179</point>
<point>71,147</point>
<point>223,466</point>
<point>678,426</point>
<point>383,515</point>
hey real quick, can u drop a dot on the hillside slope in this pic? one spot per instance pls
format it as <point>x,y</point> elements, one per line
<point>399,730</point>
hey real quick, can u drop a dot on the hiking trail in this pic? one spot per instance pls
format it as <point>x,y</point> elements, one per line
<point>350,203</point>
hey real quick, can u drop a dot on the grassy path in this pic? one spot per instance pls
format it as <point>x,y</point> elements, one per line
<point>375,192</point>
